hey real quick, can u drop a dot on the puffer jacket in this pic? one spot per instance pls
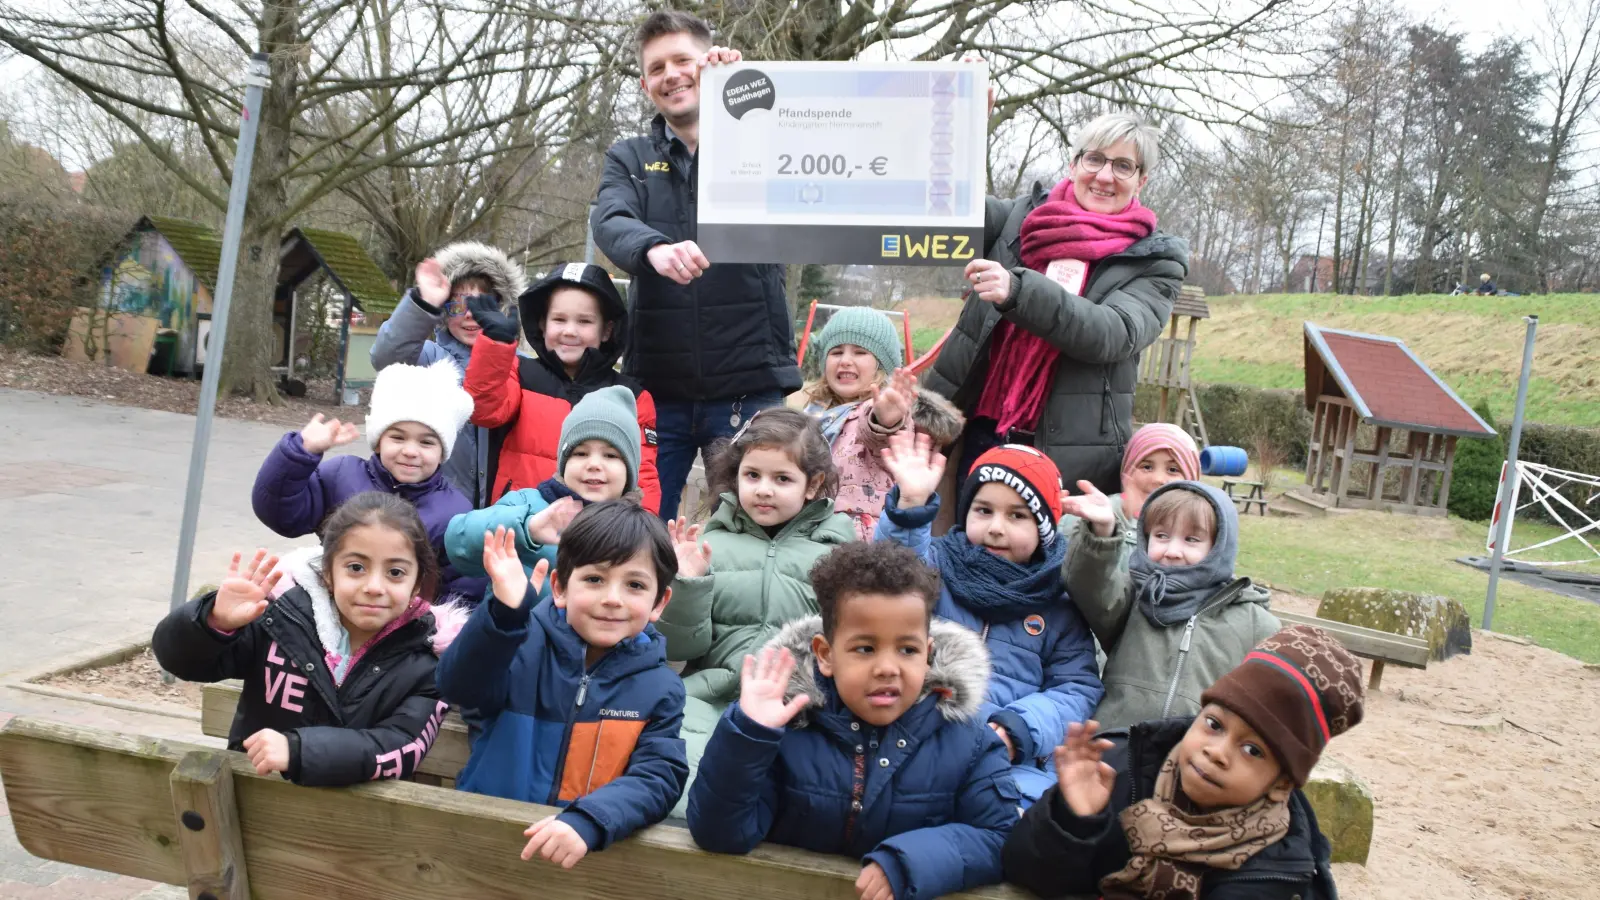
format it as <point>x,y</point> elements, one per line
<point>416,334</point>
<point>857,454</point>
<point>1055,853</point>
<point>1087,416</point>
<point>600,741</point>
<point>725,334</point>
<point>379,722</point>
<point>463,539</point>
<point>525,400</point>
<point>1045,676</point>
<point>929,798</point>
<point>296,490</point>
<point>1153,672</point>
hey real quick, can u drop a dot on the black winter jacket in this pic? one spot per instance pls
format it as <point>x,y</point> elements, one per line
<point>378,724</point>
<point>1053,852</point>
<point>1087,417</point>
<point>727,333</point>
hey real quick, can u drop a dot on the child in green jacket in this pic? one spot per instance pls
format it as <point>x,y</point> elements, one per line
<point>747,572</point>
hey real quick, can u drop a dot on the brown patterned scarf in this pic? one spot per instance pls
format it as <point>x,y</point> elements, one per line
<point>1172,849</point>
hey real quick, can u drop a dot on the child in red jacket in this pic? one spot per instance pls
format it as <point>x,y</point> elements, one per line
<point>577,323</point>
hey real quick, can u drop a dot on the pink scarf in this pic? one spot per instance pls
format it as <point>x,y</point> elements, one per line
<point>1021,364</point>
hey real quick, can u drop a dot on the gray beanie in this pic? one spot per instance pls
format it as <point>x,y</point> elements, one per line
<point>868,329</point>
<point>611,415</point>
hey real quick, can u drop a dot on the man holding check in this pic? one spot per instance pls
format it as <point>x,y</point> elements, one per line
<point>712,344</point>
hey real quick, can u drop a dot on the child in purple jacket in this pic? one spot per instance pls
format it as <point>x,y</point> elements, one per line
<point>416,413</point>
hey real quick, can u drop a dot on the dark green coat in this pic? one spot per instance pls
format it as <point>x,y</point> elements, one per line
<point>1088,416</point>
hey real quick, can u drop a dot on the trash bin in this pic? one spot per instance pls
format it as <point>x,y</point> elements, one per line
<point>164,353</point>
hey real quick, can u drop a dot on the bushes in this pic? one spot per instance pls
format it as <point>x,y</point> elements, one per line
<point>1476,478</point>
<point>48,256</point>
<point>1242,416</point>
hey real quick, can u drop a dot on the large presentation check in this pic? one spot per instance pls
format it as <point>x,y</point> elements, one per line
<point>842,162</point>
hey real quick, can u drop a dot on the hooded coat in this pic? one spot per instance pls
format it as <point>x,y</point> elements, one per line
<point>600,741</point>
<point>725,334</point>
<point>1055,853</point>
<point>416,334</point>
<point>1045,676</point>
<point>1087,417</point>
<point>296,490</point>
<point>379,722</point>
<point>929,798</point>
<point>524,400</point>
<point>857,453</point>
<point>1151,671</point>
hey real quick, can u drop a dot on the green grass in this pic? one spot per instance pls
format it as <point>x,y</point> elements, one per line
<point>1552,309</point>
<point>1312,555</point>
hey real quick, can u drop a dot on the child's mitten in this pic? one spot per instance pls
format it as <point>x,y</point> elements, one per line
<point>495,324</point>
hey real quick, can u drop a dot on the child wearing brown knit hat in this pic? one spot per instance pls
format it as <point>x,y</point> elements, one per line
<point>1219,800</point>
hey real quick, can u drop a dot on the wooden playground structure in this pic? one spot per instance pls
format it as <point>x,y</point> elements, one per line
<point>1167,365</point>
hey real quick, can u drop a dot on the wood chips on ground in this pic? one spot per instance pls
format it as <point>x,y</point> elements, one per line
<point>137,679</point>
<point>54,375</point>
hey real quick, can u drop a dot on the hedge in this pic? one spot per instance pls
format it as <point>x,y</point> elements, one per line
<point>1236,415</point>
<point>49,255</point>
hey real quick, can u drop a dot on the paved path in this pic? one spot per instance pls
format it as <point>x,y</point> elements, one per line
<point>90,500</point>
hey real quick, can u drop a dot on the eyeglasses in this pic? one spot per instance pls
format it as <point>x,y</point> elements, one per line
<point>1094,161</point>
<point>456,307</point>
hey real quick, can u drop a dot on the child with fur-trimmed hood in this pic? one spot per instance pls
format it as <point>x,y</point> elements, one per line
<point>863,397</point>
<point>858,733</point>
<point>433,321</point>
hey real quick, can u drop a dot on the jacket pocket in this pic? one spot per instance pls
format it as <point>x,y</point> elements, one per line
<point>598,754</point>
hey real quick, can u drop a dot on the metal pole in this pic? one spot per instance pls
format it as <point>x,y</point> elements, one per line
<point>1508,490</point>
<point>256,79</point>
<point>588,237</point>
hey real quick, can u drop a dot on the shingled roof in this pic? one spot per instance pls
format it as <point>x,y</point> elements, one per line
<point>197,245</point>
<point>1386,382</point>
<point>1192,302</point>
<point>345,260</point>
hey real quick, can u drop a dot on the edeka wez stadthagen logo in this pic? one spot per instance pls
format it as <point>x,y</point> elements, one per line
<point>747,90</point>
<point>891,245</point>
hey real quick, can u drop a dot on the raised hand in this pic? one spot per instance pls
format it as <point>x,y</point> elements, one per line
<point>322,434</point>
<point>496,325</point>
<point>892,402</point>
<point>873,883</point>
<point>1093,507</point>
<point>682,262</point>
<point>546,525</point>
<point>1084,779</point>
<point>242,598</point>
<point>556,841</point>
<point>915,466</point>
<point>268,751</point>
<point>432,286</point>
<point>761,685</point>
<point>505,568</point>
<point>694,555</point>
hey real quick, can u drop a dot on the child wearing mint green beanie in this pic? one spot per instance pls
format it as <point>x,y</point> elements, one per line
<point>865,395</point>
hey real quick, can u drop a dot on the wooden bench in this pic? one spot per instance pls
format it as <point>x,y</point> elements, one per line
<point>1255,494</point>
<point>1379,646</point>
<point>441,765</point>
<point>181,814</point>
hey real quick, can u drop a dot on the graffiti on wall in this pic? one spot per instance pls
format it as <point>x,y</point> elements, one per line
<point>150,280</point>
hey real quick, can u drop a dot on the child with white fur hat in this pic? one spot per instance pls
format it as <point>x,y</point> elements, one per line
<point>416,413</point>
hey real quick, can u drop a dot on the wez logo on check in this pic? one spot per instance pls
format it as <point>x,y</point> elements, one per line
<point>928,246</point>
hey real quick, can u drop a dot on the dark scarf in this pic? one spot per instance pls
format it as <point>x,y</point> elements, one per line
<point>553,489</point>
<point>998,590</point>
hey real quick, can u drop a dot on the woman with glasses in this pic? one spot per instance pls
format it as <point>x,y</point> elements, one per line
<point>1075,282</point>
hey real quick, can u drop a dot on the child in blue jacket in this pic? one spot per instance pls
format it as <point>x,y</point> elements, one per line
<point>1000,568</point>
<point>580,708</point>
<point>872,746</point>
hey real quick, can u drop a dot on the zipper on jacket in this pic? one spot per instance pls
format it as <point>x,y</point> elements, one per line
<point>1177,674</point>
<point>858,787</point>
<point>566,737</point>
<point>766,577</point>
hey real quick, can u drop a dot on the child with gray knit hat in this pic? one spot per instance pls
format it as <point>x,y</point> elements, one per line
<point>866,394</point>
<point>597,460</point>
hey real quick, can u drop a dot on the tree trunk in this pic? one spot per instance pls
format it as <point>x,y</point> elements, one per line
<point>1394,196</point>
<point>1338,204</point>
<point>247,364</point>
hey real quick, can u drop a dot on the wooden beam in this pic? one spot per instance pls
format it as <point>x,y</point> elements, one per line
<point>208,827</point>
<point>1380,463</point>
<point>1371,643</point>
<point>102,800</point>
<point>1418,451</point>
<point>1449,469</point>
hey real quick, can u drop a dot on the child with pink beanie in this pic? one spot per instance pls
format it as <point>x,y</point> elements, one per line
<point>1157,454</point>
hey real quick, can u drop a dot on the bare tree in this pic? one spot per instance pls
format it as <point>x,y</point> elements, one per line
<point>357,87</point>
<point>1569,49</point>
